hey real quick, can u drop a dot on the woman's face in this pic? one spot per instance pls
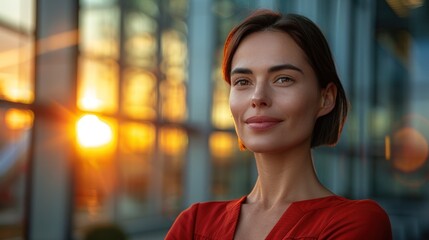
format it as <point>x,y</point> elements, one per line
<point>274,97</point>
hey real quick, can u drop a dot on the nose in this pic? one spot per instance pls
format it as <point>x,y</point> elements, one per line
<point>261,96</point>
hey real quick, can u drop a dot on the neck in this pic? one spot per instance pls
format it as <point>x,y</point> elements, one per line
<point>285,178</point>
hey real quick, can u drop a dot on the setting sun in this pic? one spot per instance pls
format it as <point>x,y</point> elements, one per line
<point>93,132</point>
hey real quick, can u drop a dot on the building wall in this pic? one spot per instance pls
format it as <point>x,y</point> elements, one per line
<point>115,114</point>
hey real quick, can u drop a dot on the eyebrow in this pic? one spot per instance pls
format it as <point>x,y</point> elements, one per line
<point>270,70</point>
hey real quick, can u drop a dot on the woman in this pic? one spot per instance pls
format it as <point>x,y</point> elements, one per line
<point>285,98</point>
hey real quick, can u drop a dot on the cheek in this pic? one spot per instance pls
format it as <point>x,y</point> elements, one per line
<point>303,107</point>
<point>237,106</point>
<point>234,107</point>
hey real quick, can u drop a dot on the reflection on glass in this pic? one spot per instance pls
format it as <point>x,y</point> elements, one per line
<point>139,94</point>
<point>400,99</point>
<point>221,115</point>
<point>98,86</point>
<point>173,143</point>
<point>403,8</point>
<point>99,32</point>
<point>174,48</point>
<point>96,175</point>
<point>221,145</point>
<point>173,101</point>
<point>228,14</point>
<point>149,7</point>
<point>93,3</point>
<point>231,168</point>
<point>16,66</point>
<point>15,137</point>
<point>149,160</point>
<point>410,150</point>
<point>173,89</point>
<point>172,140</point>
<point>136,149</point>
<point>93,132</point>
<point>137,138</point>
<point>17,119</point>
<point>177,7</point>
<point>141,43</point>
<point>17,27</point>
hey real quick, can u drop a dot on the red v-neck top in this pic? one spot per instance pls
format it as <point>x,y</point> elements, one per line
<point>330,217</point>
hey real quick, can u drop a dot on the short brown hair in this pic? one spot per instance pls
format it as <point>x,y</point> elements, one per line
<point>311,40</point>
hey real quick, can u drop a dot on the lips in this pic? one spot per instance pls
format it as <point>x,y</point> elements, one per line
<point>262,122</point>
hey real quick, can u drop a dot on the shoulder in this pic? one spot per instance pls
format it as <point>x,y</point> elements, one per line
<point>183,226</point>
<point>200,217</point>
<point>358,219</point>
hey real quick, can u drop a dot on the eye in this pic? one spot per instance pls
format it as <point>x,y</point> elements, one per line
<point>284,80</point>
<point>241,82</point>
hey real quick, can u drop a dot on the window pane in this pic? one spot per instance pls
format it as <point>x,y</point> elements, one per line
<point>95,170</point>
<point>150,7</point>
<point>173,97</point>
<point>174,66</point>
<point>98,85</point>
<point>173,143</point>
<point>91,3</point>
<point>139,94</point>
<point>141,43</point>
<point>221,114</point>
<point>99,32</point>
<point>15,135</point>
<point>232,169</point>
<point>227,13</point>
<point>17,51</point>
<point>401,113</point>
<point>136,156</point>
<point>16,67</point>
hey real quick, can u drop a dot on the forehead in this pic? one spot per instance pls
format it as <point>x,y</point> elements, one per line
<point>267,48</point>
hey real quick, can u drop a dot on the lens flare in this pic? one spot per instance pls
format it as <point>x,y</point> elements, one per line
<point>93,132</point>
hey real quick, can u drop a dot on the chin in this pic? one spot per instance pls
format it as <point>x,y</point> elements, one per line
<point>275,147</point>
<point>264,148</point>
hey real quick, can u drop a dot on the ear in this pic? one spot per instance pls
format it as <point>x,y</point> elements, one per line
<point>327,102</point>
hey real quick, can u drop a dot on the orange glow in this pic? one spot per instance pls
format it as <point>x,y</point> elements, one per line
<point>173,141</point>
<point>410,150</point>
<point>57,41</point>
<point>387,147</point>
<point>90,101</point>
<point>17,119</point>
<point>16,79</point>
<point>402,7</point>
<point>93,132</point>
<point>137,137</point>
<point>221,115</point>
<point>16,90</point>
<point>173,100</point>
<point>98,86</point>
<point>139,94</point>
<point>221,144</point>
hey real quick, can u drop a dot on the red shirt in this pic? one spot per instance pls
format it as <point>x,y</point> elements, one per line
<point>330,217</point>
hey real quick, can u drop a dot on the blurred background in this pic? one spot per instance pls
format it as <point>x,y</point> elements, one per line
<point>114,114</point>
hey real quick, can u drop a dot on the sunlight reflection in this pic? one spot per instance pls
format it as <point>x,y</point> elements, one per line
<point>173,101</point>
<point>387,147</point>
<point>17,119</point>
<point>173,141</point>
<point>98,86</point>
<point>16,90</point>
<point>137,138</point>
<point>410,150</point>
<point>92,132</point>
<point>222,145</point>
<point>139,94</point>
<point>16,64</point>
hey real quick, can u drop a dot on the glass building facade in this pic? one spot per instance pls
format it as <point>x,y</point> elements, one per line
<point>114,114</point>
